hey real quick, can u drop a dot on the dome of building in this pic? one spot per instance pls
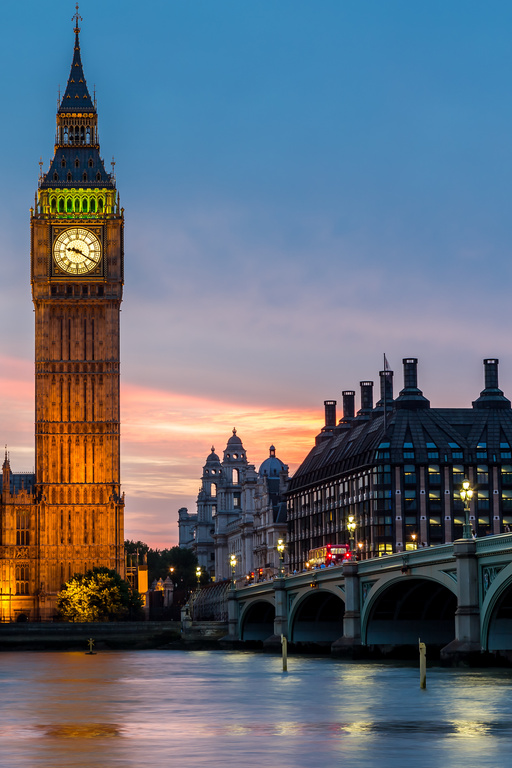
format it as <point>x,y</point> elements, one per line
<point>272,466</point>
<point>234,439</point>
<point>212,457</point>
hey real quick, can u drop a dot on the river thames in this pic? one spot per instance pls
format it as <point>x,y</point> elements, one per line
<point>214,708</point>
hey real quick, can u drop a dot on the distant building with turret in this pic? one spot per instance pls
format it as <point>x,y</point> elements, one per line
<point>240,511</point>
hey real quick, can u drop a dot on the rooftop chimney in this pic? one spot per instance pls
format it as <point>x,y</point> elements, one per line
<point>491,396</point>
<point>330,413</point>
<point>349,404</point>
<point>366,398</point>
<point>411,396</point>
<point>386,389</point>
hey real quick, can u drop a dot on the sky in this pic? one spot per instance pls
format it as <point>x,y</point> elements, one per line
<point>307,184</point>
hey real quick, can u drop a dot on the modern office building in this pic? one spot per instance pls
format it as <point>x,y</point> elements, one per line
<point>396,469</point>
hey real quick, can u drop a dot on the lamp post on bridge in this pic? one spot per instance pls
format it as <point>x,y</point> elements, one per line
<point>280,549</point>
<point>232,562</point>
<point>466,494</point>
<point>351,525</point>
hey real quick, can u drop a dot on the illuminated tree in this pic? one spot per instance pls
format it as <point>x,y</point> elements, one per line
<point>98,595</point>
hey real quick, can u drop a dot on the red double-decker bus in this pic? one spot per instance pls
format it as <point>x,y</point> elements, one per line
<point>329,554</point>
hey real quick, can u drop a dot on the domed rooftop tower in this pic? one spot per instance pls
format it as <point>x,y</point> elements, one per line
<point>272,467</point>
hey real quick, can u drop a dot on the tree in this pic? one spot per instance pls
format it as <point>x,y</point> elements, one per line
<point>98,595</point>
<point>183,563</point>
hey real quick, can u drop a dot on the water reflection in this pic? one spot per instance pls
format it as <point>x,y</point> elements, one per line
<point>236,709</point>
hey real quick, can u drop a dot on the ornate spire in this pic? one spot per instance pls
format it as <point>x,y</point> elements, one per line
<point>76,96</point>
<point>6,464</point>
<point>76,19</point>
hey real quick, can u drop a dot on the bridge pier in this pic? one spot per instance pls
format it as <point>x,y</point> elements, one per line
<point>349,645</point>
<point>466,645</point>
<point>281,616</point>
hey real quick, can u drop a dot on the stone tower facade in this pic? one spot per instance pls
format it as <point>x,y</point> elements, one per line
<point>76,516</point>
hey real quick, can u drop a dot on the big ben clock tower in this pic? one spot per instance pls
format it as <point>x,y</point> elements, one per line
<point>77,286</point>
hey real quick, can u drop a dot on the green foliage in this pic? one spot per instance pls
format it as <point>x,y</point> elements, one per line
<point>160,562</point>
<point>98,595</point>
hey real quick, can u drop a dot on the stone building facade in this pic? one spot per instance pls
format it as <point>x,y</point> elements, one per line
<point>68,517</point>
<point>397,467</point>
<point>240,511</point>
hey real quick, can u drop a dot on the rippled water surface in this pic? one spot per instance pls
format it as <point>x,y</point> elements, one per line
<point>173,709</point>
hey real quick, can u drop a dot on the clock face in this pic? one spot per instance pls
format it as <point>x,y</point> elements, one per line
<point>77,251</point>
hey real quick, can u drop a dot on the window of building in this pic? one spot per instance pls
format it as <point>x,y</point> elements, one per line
<point>506,474</point>
<point>237,500</point>
<point>382,451</point>
<point>434,501</point>
<point>456,451</point>
<point>213,489</point>
<point>434,475</point>
<point>481,451</point>
<point>384,548</point>
<point>432,451</point>
<point>409,499</point>
<point>21,574</point>
<point>22,529</point>
<point>506,501</point>
<point>458,477</point>
<point>408,451</point>
<point>506,453</point>
<point>482,474</point>
<point>235,476</point>
<point>410,474</point>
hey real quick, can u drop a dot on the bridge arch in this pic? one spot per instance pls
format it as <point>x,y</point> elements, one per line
<point>404,609</point>
<point>496,610</point>
<point>317,617</point>
<point>257,620</point>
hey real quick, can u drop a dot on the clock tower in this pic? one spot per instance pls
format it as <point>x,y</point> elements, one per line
<point>77,287</point>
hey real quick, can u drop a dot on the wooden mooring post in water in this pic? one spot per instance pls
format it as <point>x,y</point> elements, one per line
<point>284,646</point>
<point>423,664</point>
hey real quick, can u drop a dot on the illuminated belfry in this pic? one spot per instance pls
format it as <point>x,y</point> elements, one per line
<point>76,519</point>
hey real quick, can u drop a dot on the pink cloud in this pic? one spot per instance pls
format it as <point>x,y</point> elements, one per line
<point>166,437</point>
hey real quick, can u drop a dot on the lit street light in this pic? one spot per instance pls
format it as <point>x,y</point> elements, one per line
<point>466,494</point>
<point>198,576</point>
<point>351,525</point>
<point>280,549</point>
<point>232,562</point>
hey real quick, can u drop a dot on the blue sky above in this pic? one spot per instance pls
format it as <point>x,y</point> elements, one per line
<point>306,186</point>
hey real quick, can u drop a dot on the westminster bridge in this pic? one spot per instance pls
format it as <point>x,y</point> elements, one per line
<point>456,597</point>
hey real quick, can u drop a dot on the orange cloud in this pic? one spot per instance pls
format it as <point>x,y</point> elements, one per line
<point>166,437</point>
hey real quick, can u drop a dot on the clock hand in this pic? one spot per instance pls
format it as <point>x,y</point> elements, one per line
<point>76,250</point>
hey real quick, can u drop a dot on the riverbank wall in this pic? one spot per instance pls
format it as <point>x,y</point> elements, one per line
<point>128,635</point>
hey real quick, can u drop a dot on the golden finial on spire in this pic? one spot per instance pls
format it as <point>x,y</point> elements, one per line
<point>76,19</point>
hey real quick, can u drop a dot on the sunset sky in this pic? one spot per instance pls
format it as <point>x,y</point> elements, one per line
<point>307,184</point>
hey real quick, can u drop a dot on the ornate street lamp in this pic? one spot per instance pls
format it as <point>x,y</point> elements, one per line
<point>351,525</point>
<point>466,494</point>
<point>198,576</point>
<point>232,562</point>
<point>280,549</point>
